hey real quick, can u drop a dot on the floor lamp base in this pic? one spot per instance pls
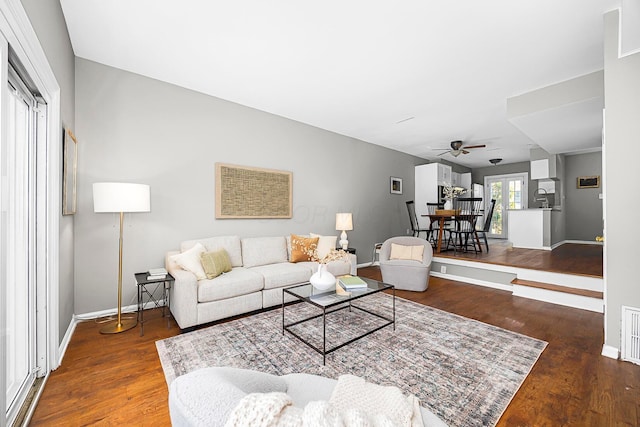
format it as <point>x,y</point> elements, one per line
<point>115,327</point>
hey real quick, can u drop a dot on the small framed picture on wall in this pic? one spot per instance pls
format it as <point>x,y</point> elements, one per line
<point>396,185</point>
<point>589,181</point>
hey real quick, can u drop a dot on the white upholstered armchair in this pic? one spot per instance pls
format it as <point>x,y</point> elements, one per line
<point>405,262</point>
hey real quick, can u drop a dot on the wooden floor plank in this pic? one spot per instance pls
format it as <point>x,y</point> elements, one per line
<point>118,380</point>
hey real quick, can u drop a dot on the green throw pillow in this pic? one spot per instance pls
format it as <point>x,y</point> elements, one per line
<point>215,263</point>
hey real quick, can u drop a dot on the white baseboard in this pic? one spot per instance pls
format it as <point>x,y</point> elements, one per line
<point>62,349</point>
<point>365,264</point>
<point>560,298</point>
<point>104,313</point>
<point>114,311</point>
<point>581,242</point>
<point>609,351</point>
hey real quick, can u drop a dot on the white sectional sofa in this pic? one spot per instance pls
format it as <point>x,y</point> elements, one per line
<point>260,270</point>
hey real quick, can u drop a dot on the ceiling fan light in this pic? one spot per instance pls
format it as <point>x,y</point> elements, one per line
<point>495,161</point>
<point>455,153</point>
<point>456,145</point>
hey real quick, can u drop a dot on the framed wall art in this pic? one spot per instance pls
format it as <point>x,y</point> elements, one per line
<point>589,181</point>
<point>396,185</point>
<point>248,192</point>
<point>69,172</point>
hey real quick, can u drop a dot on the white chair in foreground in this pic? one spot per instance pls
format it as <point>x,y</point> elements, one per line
<point>207,397</point>
<point>404,264</point>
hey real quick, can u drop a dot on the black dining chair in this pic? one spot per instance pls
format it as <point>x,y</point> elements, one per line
<point>434,223</point>
<point>463,232</point>
<point>487,224</point>
<point>413,219</point>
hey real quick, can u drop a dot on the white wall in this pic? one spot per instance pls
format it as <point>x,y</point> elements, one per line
<point>136,129</point>
<point>622,129</point>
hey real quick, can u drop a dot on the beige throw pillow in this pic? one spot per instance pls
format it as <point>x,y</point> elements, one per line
<point>414,253</point>
<point>303,248</point>
<point>215,263</point>
<point>190,260</point>
<point>325,244</point>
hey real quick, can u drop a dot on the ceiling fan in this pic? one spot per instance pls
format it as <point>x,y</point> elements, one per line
<point>457,148</point>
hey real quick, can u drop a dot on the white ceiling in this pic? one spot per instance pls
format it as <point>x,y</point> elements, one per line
<point>359,67</point>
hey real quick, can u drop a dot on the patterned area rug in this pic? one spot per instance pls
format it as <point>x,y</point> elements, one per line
<point>463,370</point>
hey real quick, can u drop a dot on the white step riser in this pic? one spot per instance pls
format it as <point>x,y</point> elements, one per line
<point>560,298</point>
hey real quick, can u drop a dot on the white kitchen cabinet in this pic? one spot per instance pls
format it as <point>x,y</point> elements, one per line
<point>426,189</point>
<point>530,228</point>
<point>544,168</point>
<point>455,179</point>
<point>465,180</point>
<point>444,174</point>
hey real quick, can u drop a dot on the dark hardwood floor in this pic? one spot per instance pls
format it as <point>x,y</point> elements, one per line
<point>118,380</point>
<point>570,258</point>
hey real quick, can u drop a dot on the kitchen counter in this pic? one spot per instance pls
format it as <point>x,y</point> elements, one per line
<point>530,228</point>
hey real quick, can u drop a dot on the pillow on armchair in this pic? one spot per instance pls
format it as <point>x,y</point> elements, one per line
<point>414,253</point>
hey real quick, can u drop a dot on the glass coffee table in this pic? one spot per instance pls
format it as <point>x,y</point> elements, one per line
<point>330,302</point>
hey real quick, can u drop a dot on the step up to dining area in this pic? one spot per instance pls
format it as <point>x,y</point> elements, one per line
<point>570,275</point>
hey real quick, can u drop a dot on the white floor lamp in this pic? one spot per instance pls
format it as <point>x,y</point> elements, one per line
<point>118,197</point>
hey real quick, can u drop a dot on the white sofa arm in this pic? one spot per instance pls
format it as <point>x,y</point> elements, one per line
<point>354,264</point>
<point>184,294</point>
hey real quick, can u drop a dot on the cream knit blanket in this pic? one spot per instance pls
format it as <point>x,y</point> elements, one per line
<point>354,402</point>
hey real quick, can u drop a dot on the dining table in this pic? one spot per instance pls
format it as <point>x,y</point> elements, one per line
<point>441,218</point>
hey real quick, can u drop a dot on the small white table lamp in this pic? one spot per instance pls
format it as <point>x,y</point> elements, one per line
<point>120,197</point>
<point>344,222</point>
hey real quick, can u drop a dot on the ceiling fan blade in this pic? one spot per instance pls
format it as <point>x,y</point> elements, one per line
<point>474,146</point>
<point>442,154</point>
<point>465,151</point>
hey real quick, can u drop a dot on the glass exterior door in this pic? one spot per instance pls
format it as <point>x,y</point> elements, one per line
<point>19,234</point>
<point>510,192</point>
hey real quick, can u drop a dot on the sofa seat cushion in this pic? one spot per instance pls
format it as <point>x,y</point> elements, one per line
<point>282,274</point>
<point>239,281</point>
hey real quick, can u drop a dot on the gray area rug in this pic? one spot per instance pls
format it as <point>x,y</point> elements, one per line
<point>463,370</point>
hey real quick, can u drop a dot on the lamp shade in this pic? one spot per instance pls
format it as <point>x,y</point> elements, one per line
<point>344,221</point>
<point>121,197</point>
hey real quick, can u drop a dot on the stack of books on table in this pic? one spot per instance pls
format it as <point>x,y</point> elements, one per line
<point>156,274</point>
<point>352,283</point>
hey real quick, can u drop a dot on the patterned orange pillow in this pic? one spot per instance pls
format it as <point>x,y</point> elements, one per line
<point>304,248</point>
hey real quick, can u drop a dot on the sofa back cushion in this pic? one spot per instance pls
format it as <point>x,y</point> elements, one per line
<point>263,250</point>
<point>231,244</point>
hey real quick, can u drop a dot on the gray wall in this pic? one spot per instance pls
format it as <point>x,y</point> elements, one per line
<point>622,118</point>
<point>583,205</point>
<point>50,27</point>
<point>136,129</point>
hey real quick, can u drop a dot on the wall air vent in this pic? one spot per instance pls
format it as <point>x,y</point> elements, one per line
<point>631,334</point>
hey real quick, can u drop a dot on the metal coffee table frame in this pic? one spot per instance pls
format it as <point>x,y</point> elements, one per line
<point>330,302</point>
